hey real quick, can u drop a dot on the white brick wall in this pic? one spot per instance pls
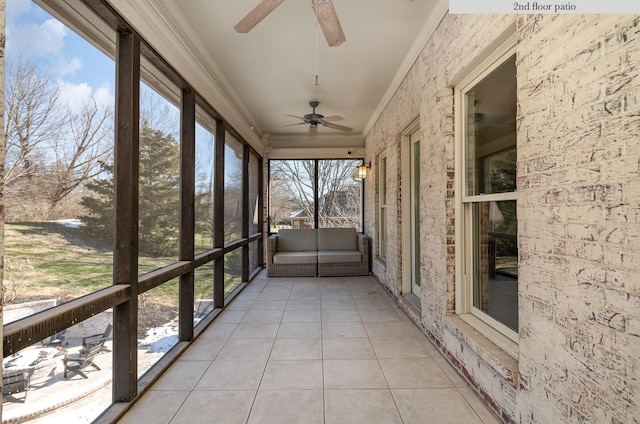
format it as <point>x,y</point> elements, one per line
<point>578,210</point>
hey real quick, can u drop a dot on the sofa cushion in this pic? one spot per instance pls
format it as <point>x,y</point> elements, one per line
<point>337,239</point>
<point>290,258</point>
<point>297,240</point>
<point>339,256</point>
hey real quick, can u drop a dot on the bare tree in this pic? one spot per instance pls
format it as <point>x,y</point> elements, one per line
<point>292,189</point>
<point>78,155</point>
<point>32,119</point>
<point>50,150</point>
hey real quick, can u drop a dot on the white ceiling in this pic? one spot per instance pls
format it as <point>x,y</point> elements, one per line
<point>269,73</point>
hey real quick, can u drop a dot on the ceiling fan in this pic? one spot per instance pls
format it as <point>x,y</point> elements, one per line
<point>326,13</point>
<point>314,119</point>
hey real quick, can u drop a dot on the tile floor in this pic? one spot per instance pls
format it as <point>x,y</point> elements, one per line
<point>311,350</point>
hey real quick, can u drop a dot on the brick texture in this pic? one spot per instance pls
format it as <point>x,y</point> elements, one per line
<point>578,179</point>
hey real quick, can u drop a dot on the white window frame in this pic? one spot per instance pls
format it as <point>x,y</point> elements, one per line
<point>383,196</point>
<point>485,324</point>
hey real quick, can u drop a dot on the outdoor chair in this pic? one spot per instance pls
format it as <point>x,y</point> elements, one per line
<point>97,339</point>
<point>75,364</point>
<point>56,339</point>
<point>16,381</point>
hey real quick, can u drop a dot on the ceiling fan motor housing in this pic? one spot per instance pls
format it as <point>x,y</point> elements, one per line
<point>313,118</point>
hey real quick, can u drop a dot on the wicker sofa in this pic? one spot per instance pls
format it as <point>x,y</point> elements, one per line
<point>325,252</point>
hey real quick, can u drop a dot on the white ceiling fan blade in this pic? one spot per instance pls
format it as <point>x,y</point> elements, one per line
<point>258,13</point>
<point>333,118</point>
<point>329,22</point>
<point>336,126</point>
<point>293,125</point>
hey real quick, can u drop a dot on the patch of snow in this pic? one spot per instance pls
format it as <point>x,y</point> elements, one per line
<point>71,223</point>
<point>160,339</point>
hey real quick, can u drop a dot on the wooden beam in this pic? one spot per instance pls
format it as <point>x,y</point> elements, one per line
<point>245,211</point>
<point>218,214</point>
<point>260,210</point>
<point>23,333</point>
<point>125,256</point>
<point>187,215</point>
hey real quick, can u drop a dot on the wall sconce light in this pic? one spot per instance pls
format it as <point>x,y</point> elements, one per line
<point>362,170</point>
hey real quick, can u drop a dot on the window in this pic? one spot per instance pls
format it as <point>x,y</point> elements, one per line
<point>301,190</point>
<point>339,194</point>
<point>382,204</point>
<point>486,248</point>
<point>159,180</point>
<point>205,148</point>
<point>233,157</point>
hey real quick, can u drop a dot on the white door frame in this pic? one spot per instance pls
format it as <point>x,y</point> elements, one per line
<point>406,206</point>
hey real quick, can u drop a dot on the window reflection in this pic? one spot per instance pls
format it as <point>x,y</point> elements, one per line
<point>232,189</point>
<point>204,189</point>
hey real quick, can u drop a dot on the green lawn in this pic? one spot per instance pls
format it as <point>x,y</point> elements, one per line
<point>50,260</point>
<point>508,265</point>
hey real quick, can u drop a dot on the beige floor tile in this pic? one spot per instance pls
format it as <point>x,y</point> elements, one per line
<point>251,330</point>
<point>304,374</point>
<point>353,374</point>
<point>303,305</point>
<point>334,291</point>
<point>274,294</point>
<point>368,292</point>
<point>340,315</point>
<point>263,361</point>
<point>399,347</point>
<point>376,304</point>
<point>232,375</point>
<point>288,406</point>
<point>442,406</point>
<point>347,348</point>
<point>428,345</point>
<point>296,349</point>
<point>262,317</point>
<point>299,330</point>
<point>338,304</point>
<point>478,405</point>
<point>202,350</point>
<point>269,305</point>
<point>388,329</point>
<point>239,305</point>
<point>248,295</point>
<point>284,281</point>
<point>246,350</point>
<point>221,407</point>
<point>156,407</point>
<point>451,372</point>
<point>301,316</point>
<point>379,315</point>
<point>182,375</point>
<point>304,294</point>
<point>230,317</point>
<point>361,407</point>
<point>414,373</point>
<point>218,331</point>
<point>343,329</point>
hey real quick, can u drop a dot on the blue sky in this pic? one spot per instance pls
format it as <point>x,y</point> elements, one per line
<point>79,69</point>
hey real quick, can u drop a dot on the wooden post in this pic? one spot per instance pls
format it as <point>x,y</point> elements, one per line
<point>125,255</point>
<point>187,215</point>
<point>218,214</point>
<point>245,212</point>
